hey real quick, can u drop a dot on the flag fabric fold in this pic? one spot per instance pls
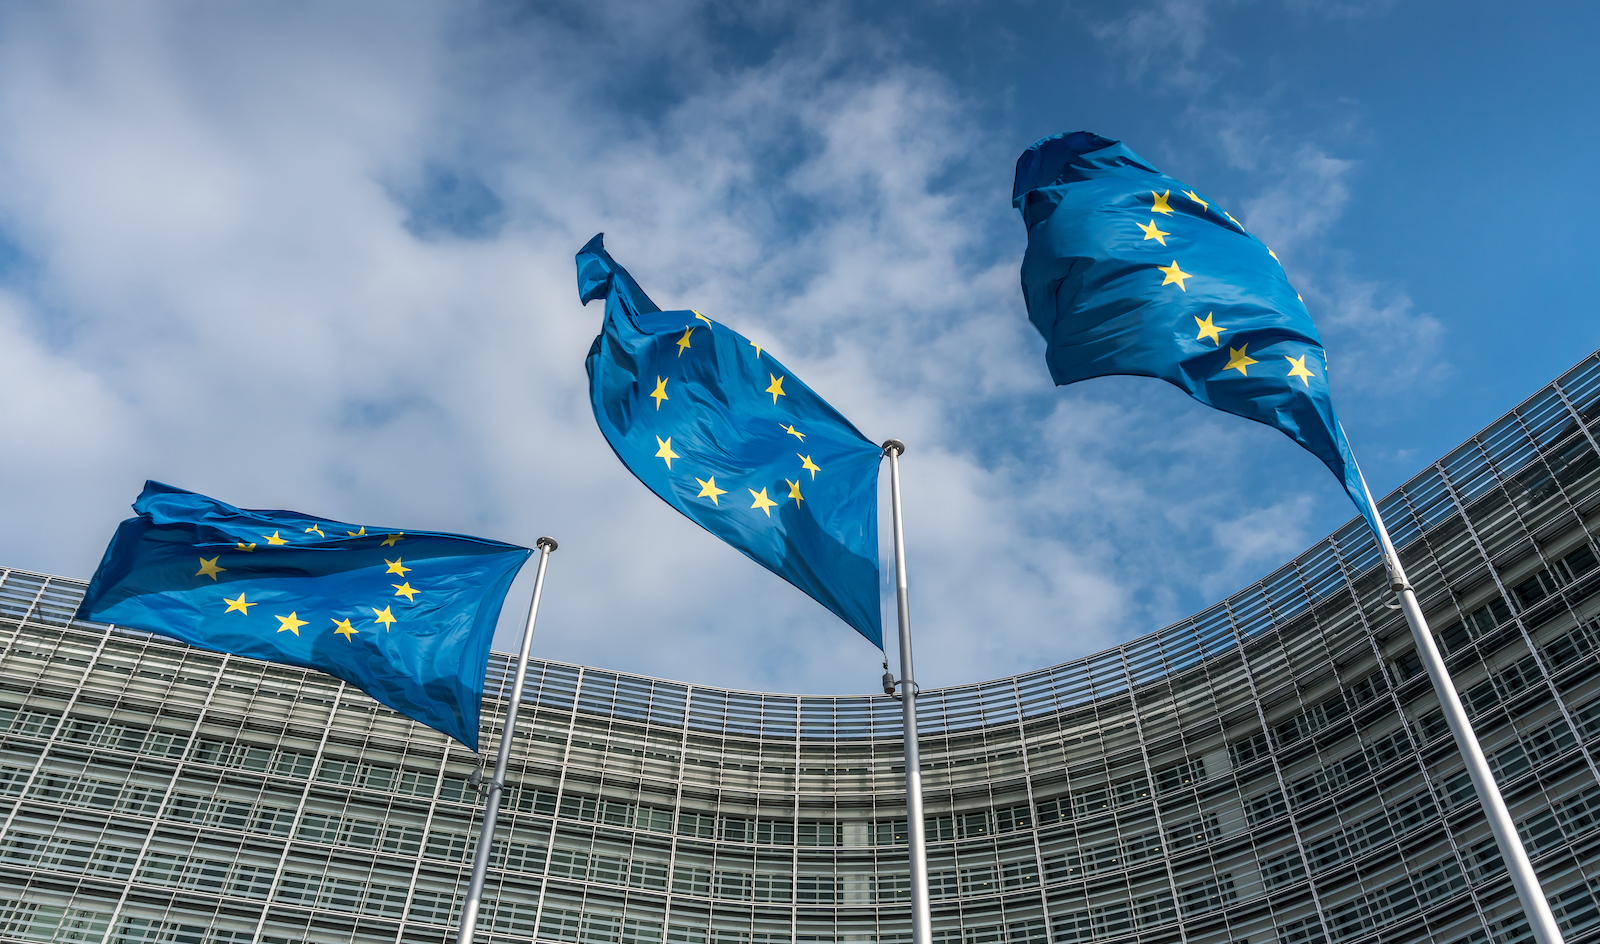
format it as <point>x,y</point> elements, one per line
<point>1129,271</point>
<point>405,616</point>
<point>725,433</point>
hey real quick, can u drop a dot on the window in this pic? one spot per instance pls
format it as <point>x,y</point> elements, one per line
<point>1181,775</point>
<point>820,834</point>
<point>1247,750</point>
<point>1207,895</point>
<point>1267,806</point>
<point>1457,636</point>
<point>1390,748</point>
<point>1282,869</point>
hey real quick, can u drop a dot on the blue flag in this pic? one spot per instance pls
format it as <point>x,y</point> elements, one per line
<point>724,433</point>
<point>405,616</point>
<point>1129,271</point>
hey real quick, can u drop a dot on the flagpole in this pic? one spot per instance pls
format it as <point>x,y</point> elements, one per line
<point>1523,877</point>
<point>916,826</point>
<point>480,861</point>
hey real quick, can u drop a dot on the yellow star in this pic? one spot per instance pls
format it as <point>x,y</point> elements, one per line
<point>1150,232</point>
<point>807,465</point>
<point>1209,330</point>
<point>395,567</point>
<point>290,623</point>
<point>762,501</point>
<point>708,489</point>
<point>274,539</point>
<point>393,539</point>
<point>1274,255</point>
<point>1238,360</point>
<point>1160,204</point>
<point>405,590</point>
<point>1232,220</point>
<point>1196,198</point>
<point>358,534</point>
<point>758,349</point>
<point>247,547</point>
<point>794,432</point>
<point>683,342</point>
<point>776,389</point>
<point>661,391</point>
<point>794,491</point>
<point>1174,274</point>
<point>1299,369</point>
<point>665,452</point>
<point>384,617</point>
<point>343,628</point>
<point>209,568</point>
<point>237,605</point>
<point>316,529</point>
<point>701,317</point>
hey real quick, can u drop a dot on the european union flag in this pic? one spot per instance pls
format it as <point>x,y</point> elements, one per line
<point>1129,271</point>
<point>405,616</point>
<point>724,433</point>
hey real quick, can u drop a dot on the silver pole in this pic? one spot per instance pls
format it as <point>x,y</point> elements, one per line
<point>916,826</point>
<point>480,861</point>
<point>1523,878</point>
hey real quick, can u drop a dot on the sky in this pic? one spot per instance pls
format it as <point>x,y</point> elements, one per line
<point>320,257</point>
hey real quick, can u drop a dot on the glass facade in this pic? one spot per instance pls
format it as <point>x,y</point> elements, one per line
<point>1273,769</point>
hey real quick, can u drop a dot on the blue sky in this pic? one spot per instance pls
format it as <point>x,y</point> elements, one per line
<point>321,259</point>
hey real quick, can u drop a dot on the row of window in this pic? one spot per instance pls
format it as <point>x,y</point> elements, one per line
<point>1509,762</point>
<point>1492,614</point>
<point>41,921</point>
<point>1329,710</point>
<point>1575,908</point>
<point>317,888</point>
<point>534,799</point>
<point>265,817</point>
<point>186,871</point>
<point>968,824</point>
<point>1566,821</point>
<point>1308,721</point>
<point>1113,920</point>
<point>1397,900</point>
<point>1481,697</point>
<point>1330,778</point>
<point>1392,821</point>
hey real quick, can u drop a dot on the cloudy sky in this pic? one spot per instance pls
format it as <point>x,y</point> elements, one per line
<point>319,256</point>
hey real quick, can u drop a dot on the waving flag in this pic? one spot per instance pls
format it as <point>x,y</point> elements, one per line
<point>1129,271</point>
<point>726,434</point>
<point>405,616</point>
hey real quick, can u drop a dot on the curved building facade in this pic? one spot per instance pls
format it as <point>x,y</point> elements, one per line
<point>1273,770</point>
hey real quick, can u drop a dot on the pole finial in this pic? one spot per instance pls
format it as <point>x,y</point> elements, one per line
<point>895,446</point>
<point>546,544</point>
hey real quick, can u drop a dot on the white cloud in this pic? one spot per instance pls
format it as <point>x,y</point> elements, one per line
<point>1303,198</point>
<point>1166,38</point>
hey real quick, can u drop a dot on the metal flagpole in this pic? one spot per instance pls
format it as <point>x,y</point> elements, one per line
<point>480,861</point>
<point>916,826</point>
<point>1523,878</point>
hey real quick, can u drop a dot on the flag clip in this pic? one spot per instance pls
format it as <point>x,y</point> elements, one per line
<point>890,683</point>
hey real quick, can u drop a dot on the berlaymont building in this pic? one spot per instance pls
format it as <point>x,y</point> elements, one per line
<point>1273,770</point>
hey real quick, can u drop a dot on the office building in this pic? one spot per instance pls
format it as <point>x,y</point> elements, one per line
<point>1273,770</point>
